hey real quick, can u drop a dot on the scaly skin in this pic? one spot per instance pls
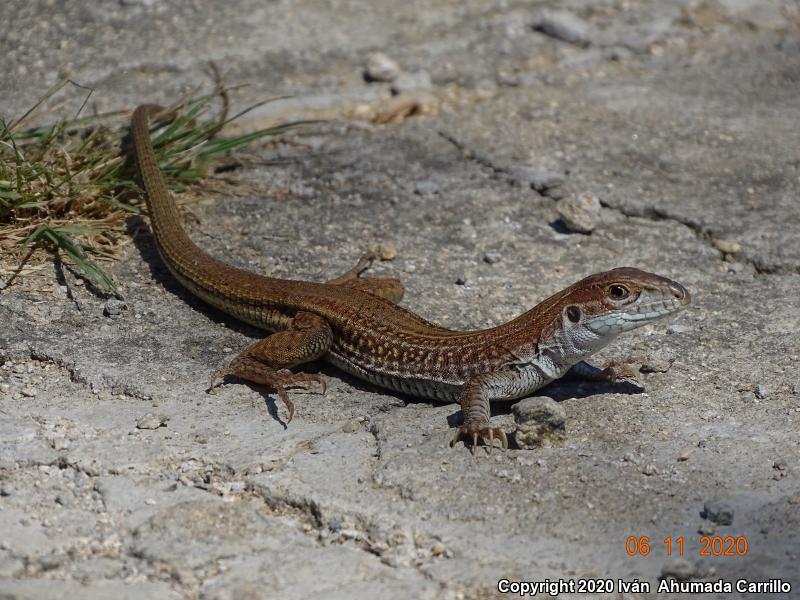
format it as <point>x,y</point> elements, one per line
<point>355,323</point>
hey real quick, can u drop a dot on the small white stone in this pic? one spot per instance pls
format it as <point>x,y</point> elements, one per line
<point>380,67</point>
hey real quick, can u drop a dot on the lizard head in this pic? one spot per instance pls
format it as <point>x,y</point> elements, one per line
<point>607,304</point>
<point>590,313</point>
<point>624,299</point>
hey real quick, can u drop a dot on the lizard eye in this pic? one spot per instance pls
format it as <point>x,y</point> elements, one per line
<point>618,292</point>
<point>573,314</point>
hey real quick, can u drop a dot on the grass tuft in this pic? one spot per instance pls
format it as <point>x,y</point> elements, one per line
<point>68,187</point>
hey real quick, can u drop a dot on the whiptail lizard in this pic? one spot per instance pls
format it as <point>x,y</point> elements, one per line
<point>356,324</point>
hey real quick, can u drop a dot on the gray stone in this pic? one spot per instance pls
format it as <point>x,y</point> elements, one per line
<point>540,179</point>
<point>564,26</point>
<point>678,328</point>
<point>658,363</point>
<point>761,392</point>
<point>418,81</point>
<point>426,187</point>
<point>650,469</point>
<point>718,512</point>
<point>680,569</point>
<point>114,307</point>
<point>151,421</point>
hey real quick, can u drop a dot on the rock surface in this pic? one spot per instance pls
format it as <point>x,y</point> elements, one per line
<point>682,116</point>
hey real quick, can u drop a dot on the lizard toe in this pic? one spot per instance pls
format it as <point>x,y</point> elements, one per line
<point>485,435</point>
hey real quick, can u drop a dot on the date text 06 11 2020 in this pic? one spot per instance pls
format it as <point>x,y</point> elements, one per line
<point>710,545</point>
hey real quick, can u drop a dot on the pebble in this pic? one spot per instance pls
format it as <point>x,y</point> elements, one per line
<point>726,246</point>
<point>657,364</point>
<point>650,469</point>
<point>563,26</point>
<point>507,78</point>
<point>781,469</point>
<point>706,528</point>
<point>419,81</point>
<point>65,500</point>
<point>761,391</point>
<point>540,179</point>
<point>461,280</point>
<point>683,457</point>
<point>579,213</point>
<point>720,513</point>
<point>351,426</point>
<point>491,258</point>
<point>5,387</point>
<point>151,421</point>
<point>29,392</point>
<point>544,180</point>
<point>384,250</point>
<point>114,307</point>
<point>19,368</point>
<point>48,563</point>
<point>538,419</point>
<point>426,187</point>
<point>680,569</point>
<point>380,67</point>
<point>678,328</point>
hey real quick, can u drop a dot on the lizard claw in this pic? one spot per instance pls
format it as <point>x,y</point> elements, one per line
<point>216,376</point>
<point>471,435</point>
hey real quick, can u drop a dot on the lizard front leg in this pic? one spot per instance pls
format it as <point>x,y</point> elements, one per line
<point>507,383</point>
<point>267,362</point>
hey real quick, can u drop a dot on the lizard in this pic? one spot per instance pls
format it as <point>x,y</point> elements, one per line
<point>356,324</point>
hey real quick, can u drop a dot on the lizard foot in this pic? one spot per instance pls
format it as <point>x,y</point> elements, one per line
<point>273,379</point>
<point>486,434</point>
<point>621,369</point>
<point>287,378</point>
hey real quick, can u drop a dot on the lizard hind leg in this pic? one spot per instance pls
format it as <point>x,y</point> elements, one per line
<point>267,362</point>
<point>389,288</point>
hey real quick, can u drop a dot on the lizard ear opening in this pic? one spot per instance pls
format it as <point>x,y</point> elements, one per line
<point>573,313</point>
